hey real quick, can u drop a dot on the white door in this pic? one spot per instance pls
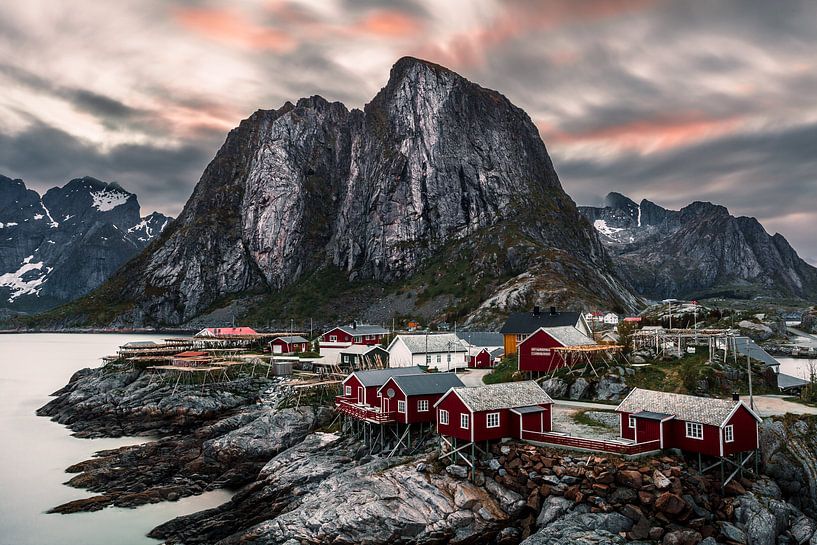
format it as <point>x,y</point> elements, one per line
<point>277,349</point>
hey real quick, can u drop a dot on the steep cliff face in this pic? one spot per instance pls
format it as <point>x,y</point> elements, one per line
<point>433,159</point>
<point>61,246</point>
<point>699,251</point>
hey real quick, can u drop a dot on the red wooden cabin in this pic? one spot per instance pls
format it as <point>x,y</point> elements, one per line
<point>536,352</point>
<point>412,397</point>
<point>354,334</point>
<point>359,393</point>
<point>494,411</point>
<point>289,345</point>
<point>484,359</point>
<point>709,426</point>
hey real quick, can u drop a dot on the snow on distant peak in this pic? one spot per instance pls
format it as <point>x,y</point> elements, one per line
<point>109,198</point>
<point>26,280</point>
<point>602,227</point>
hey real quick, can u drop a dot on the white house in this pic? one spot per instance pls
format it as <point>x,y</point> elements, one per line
<point>440,351</point>
<point>611,318</point>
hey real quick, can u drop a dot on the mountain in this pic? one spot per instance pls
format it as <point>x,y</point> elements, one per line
<point>64,244</point>
<point>437,199</point>
<point>699,251</point>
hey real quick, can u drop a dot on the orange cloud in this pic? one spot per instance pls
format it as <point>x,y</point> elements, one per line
<point>471,47</point>
<point>389,23</point>
<point>659,133</point>
<point>232,27</point>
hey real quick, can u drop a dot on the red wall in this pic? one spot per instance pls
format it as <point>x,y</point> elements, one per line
<point>352,381</point>
<point>626,431</point>
<point>531,356</point>
<point>455,407</point>
<point>537,421</point>
<point>290,347</point>
<point>343,337</point>
<point>647,430</point>
<point>745,432</point>
<point>412,415</point>
<point>675,437</point>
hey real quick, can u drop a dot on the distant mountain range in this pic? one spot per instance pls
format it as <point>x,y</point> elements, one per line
<point>437,201</point>
<point>63,244</point>
<point>698,251</point>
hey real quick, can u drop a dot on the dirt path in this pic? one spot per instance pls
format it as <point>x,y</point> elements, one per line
<point>769,405</point>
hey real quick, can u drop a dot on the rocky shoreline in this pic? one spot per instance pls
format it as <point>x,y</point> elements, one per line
<point>297,482</point>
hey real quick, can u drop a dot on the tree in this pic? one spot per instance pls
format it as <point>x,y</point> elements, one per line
<point>625,336</point>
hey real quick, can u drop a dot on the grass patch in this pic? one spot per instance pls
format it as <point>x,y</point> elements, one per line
<point>580,417</point>
<point>505,371</point>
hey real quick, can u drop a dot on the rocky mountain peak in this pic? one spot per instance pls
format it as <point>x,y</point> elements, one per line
<point>433,159</point>
<point>619,201</point>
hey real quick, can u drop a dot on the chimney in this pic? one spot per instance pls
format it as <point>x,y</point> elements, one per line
<point>735,396</point>
<point>553,311</point>
<point>536,310</point>
<point>354,324</point>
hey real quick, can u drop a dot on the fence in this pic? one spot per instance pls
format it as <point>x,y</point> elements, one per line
<point>363,412</point>
<point>615,447</point>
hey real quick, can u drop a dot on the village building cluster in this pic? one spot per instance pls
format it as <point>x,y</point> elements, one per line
<point>409,387</point>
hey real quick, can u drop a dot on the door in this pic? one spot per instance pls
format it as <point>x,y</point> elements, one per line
<point>384,405</point>
<point>277,349</point>
<point>361,395</point>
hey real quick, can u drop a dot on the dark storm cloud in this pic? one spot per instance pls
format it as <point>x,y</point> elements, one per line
<point>160,176</point>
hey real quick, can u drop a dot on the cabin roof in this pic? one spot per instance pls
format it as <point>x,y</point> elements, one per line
<point>526,322</point>
<point>706,410</point>
<point>433,343</point>
<point>528,410</point>
<point>649,415</point>
<point>481,338</point>
<point>292,339</point>
<point>748,347</point>
<point>360,349</point>
<point>569,336</point>
<point>427,383</point>
<point>506,395</point>
<point>378,377</point>
<point>361,329</point>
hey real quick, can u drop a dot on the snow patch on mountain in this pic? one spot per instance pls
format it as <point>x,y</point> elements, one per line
<point>108,199</point>
<point>602,227</point>
<point>26,280</point>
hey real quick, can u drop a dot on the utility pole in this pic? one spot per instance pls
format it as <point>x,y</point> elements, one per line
<point>749,373</point>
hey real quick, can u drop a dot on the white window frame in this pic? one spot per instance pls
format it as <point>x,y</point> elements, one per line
<point>443,417</point>
<point>333,338</point>
<point>439,358</point>
<point>348,391</point>
<point>465,421</point>
<point>729,434</point>
<point>488,418</point>
<point>401,406</point>
<point>631,422</point>
<point>520,337</point>
<point>422,405</point>
<point>428,359</point>
<point>694,430</point>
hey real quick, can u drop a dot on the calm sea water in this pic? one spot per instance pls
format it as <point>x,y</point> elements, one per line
<point>34,451</point>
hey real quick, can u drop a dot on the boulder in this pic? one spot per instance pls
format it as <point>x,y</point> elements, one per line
<point>660,481</point>
<point>554,507</point>
<point>732,533</point>
<point>610,387</point>
<point>669,503</point>
<point>579,389</point>
<point>683,536</point>
<point>803,529</point>
<point>555,387</point>
<point>629,478</point>
<point>458,471</point>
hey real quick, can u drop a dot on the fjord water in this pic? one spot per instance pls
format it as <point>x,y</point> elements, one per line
<point>35,451</point>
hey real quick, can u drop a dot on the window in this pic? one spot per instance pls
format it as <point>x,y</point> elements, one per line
<point>492,420</point>
<point>348,391</point>
<point>443,416</point>
<point>428,359</point>
<point>422,406</point>
<point>401,406</point>
<point>333,338</point>
<point>695,430</point>
<point>439,358</point>
<point>632,422</point>
<point>520,338</point>
<point>729,434</point>
<point>449,358</point>
<point>464,421</point>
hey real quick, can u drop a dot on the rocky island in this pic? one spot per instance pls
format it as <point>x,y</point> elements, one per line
<point>299,479</point>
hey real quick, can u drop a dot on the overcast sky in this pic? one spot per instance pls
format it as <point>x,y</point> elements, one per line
<point>670,101</point>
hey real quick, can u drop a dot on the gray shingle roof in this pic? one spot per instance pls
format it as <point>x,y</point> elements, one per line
<point>363,329</point>
<point>433,343</point>
<point>503,396</point>
<point>748,347</point>
<point>481,338</point>
<point>525,322</point>
<point>788,381</point>
<point>377,377</point>
<point>527,410</point>
<point>428,383</point>
<point>569,336</point>
<point>293,339</point>
<point>706,410</point>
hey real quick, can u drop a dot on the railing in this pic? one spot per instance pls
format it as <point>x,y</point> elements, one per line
<point>615,447</point>
<point>362,412</point>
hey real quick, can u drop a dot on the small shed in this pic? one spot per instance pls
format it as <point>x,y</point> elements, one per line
<point>537,354</point>
<point>495,411</point>
<point>289,345</point>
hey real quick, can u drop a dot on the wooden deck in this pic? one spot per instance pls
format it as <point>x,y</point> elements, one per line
<point>623,446</point>
<point>363,412</point>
